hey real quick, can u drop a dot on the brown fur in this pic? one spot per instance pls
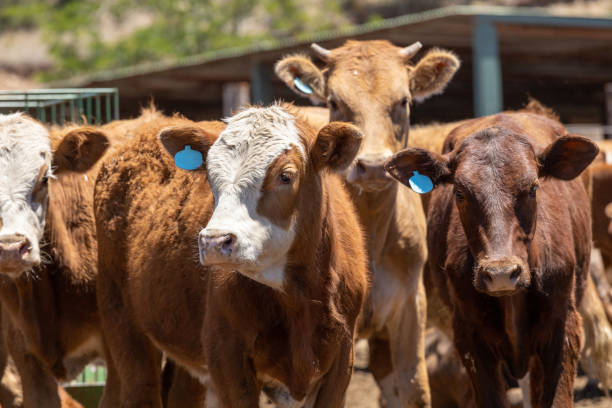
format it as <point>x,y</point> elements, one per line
<point>597,336</point>
<point>53,310</point>
<point>154,295</point>
<point>526,330</point>
<point>370,84</point>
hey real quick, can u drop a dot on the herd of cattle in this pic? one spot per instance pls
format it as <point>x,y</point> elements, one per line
<point>257,272</point>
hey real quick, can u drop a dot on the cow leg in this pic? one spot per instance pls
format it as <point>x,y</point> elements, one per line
<point>10,383</point>
<point>482,367</point>
<point>136,360</point>
<point>185,390</point>
<point>407,340</point>
<point>233,376</point>
<point>335,382</point>
<point>381,368</point>
<point>553,369</point>
<point>597,349</point>
<point>112,388</point>
<point>40,389</point>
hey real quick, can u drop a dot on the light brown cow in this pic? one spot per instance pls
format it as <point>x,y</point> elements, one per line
<point>273,303</point>
<point>372,84</point>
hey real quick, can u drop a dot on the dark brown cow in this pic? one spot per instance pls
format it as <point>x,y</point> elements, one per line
<point>509,238</point>
<point>372,84</point>
<point>275,304</point>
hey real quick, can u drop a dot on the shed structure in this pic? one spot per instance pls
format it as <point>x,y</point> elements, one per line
<point>508,55</point>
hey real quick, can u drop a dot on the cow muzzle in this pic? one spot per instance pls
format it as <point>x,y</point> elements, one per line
<point>216,247</point>
<point>368,172</point>
<point>16,254</point>
<point>501,277</point>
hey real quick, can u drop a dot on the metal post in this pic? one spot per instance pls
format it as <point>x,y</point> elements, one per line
<point>98,111</point>
<point>260,85</point>
<point>88,110</point>
<point>487,77</point>
<point>116,95</point>
<point>235,96</point>
<point>108,107</point>
<point>81,110</point>
<point>72,110</point>
<point>62,113</point>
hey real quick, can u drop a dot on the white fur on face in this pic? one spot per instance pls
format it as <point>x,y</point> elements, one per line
<point>236,166</point>
<point>24,149</point>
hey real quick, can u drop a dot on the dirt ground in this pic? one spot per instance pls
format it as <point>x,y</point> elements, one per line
<point>364,393</point>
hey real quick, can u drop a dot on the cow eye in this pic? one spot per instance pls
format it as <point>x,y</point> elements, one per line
<point>533,190</point>
<point>459,195</point>
<point>286,177</point>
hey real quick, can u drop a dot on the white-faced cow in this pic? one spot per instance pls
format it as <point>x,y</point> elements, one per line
<point>250,273</point>
<point>372,84</point>
<point>47,253</point>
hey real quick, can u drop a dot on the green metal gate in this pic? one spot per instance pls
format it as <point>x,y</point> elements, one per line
<point>58,106</point>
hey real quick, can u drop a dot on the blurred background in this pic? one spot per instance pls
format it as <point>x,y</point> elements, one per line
<point>205,58</point>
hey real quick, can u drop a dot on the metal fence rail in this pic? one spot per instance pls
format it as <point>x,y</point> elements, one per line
<point>58,106</point>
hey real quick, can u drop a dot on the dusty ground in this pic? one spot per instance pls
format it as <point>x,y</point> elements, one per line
<point>364,393</point>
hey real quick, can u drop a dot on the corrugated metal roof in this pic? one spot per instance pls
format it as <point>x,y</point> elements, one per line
<point>500,14</point>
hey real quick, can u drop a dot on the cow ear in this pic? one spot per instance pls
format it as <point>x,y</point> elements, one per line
<point>336,146</point>
<point>302,76</point>
<point>176,139</point>
<point>404,164</point>
<point>79,149</point>
<point>567,157</point>
<point>432,73</point>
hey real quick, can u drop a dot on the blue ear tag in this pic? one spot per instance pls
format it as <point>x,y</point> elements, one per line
<point>188,159</point>
<point>302,87</point>
<point>420,183</point>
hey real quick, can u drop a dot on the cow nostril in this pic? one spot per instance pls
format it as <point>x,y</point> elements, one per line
<point>360,167</point>
<point>228,243</point>
<point>515,273</point>
<point>25,248</point>
<point>486,276</point>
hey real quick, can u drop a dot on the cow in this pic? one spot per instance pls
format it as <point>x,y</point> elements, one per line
<point>250,272</point>
<point>509,239</point>
<point>47,254</point>
<point>372,84</point>
<point>596,306</point>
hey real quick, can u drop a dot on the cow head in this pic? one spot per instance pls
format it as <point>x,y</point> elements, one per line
<point>372,85</point>
<point>261,169</point>
<point>495,176</point>
<point>28,161</point>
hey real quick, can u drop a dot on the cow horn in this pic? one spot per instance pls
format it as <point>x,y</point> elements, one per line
<point>321,52</point>
<point>409,51</point>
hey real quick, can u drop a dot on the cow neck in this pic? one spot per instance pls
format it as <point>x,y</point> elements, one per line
<point>310,305</point>
<point>376,211</point>
<point>514,309</point>
<point>70,227</point>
